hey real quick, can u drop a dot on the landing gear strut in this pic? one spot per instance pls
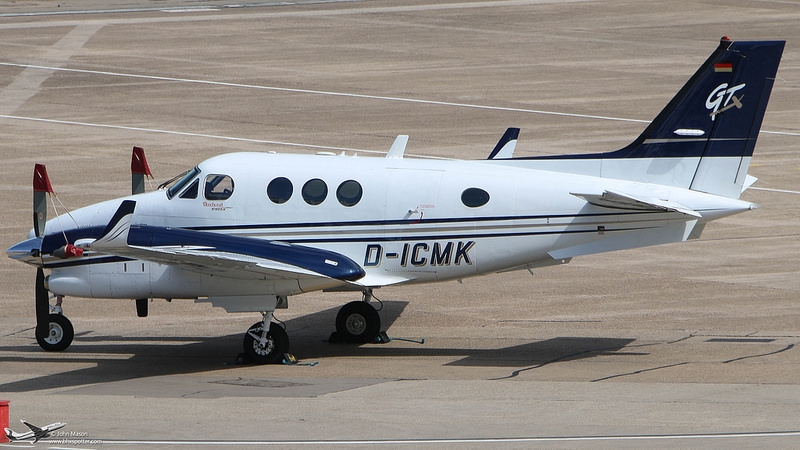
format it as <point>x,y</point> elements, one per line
<point>266,342</point>
<point>54,332</point>
<point>358,322</point>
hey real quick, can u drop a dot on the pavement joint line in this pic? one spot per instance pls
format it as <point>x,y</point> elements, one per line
<point>782,191</point>
<point>638,372</point>
<point>349,94</point>
<point>488,440</point>
<point>204,135</point>
<point>319,92</point>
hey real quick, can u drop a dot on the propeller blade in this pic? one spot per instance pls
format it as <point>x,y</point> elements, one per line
<point>139,170</point>
<point>41,187</point>
<point>42,305</point>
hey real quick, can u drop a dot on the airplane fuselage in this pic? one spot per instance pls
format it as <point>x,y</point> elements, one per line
<point>403,220</point>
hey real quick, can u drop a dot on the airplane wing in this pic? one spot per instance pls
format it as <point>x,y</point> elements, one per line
<point>618,200</point>
<point>221,254</point>
<point>33,428</point>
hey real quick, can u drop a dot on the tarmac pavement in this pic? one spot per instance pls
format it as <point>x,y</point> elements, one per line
<point>687,345</point>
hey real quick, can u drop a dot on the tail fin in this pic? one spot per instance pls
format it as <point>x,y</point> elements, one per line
<point>12,436</point>
<point>704,138</point>
<point>506,145</point>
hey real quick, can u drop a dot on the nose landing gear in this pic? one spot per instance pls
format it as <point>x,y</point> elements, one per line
<point>59,334</point>
<point>266,342</point>
<point>54,332</point>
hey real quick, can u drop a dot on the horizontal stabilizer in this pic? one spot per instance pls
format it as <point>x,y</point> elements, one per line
<point>748,181</point>
<point>618,200</point>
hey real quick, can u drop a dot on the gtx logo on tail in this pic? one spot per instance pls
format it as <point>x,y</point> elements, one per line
<point>722,99</point>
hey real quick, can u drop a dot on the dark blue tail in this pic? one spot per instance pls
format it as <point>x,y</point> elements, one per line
<point>704,138</point>
<point>719,110</point>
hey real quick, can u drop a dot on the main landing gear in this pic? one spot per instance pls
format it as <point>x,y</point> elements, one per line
<point>357,322</point>
<point>54,332</point>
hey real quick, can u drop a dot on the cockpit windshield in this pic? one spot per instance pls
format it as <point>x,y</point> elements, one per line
<point>174,185</point>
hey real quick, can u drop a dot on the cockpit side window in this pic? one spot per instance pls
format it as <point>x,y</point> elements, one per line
<point>191,191</point>
<point>218,187</point>
<point>179,182</point>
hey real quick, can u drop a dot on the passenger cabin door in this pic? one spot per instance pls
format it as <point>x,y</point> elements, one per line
<point>412,194</point>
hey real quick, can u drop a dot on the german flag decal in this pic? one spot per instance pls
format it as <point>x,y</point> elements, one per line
<point>723,67</point>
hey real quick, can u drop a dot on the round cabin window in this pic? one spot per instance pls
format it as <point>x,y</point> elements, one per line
<point>349,193</point>
<point>315,191</point>
<point>280,190</point>
<point>474,197</point>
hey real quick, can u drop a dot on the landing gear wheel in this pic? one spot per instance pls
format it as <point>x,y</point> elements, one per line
<point>358,323</point>
<point>271,350</point>
<point>59,335</point>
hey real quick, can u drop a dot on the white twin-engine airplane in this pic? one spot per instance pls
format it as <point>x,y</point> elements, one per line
<point>245,231</point>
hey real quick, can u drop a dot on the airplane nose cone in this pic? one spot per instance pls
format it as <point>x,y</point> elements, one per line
<point>28,251</point>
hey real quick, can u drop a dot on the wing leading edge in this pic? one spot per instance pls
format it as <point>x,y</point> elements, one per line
<point>221,254</point>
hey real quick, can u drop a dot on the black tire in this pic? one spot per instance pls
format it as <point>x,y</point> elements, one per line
<point>141,307</point>
<point>59,334</point>
<point>272,352</point>
<point>358,323</point>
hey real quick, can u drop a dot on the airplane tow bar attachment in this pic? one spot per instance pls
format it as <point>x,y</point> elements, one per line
<point>383,338</point>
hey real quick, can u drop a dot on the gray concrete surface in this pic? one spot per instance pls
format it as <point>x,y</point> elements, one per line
<point>691,345</point>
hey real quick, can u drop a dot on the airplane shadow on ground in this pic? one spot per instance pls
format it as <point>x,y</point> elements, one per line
<point>155,356</point>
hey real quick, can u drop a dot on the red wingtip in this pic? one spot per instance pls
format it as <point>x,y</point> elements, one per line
<point>139,162</point>
<point>41,182</point>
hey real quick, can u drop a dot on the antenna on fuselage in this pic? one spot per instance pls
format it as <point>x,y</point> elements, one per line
<point>399,147</point>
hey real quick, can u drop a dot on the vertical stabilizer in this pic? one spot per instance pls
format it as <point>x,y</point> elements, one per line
<point>704,138</point>
<point>716,116</point>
